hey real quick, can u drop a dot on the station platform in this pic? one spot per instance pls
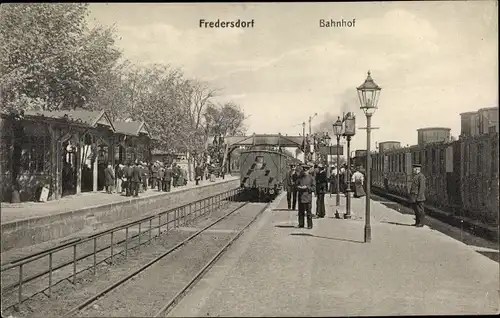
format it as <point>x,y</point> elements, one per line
<point>31,223</point>
<point>276,269</point>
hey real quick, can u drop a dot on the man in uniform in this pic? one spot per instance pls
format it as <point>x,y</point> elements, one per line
<point>291,187</point>
<point>321,189</point>
<point>417,195</point>
<point>305,187</point>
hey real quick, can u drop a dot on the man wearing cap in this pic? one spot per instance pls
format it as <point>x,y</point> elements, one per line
<point>321,189</point>
<point>305,187</point>
<point>291,188</point>
<point>417,195</point>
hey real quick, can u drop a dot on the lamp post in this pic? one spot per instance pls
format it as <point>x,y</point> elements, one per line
<point>337,130</point>
<point>326,139</point>
<point>349,131</point>
<point>368,94</point>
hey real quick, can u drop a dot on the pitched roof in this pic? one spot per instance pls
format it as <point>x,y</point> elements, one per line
<point>131,128</point>
<point>86,117</point>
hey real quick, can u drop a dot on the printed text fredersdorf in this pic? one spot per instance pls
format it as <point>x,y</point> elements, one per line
<point>226,24</point>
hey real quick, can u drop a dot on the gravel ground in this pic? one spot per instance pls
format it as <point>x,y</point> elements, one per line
<point>65,295</point>
<point>152,289</point>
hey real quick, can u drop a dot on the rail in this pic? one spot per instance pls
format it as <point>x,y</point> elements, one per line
<point>181,214</point>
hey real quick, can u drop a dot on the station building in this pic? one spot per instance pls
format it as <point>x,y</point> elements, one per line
<point>49,154</point>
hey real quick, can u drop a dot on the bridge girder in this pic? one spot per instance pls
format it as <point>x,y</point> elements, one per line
<point>264,140</point>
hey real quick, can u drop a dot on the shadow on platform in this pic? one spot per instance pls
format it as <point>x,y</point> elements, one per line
<point>285,226</point>
<point>282,210</point>
<point>458,234</point>
<point>325,237</point>
<point>397,223</point>
<point>491,255</point>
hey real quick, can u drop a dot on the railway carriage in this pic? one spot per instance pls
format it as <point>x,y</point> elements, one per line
<point>262,172</point>
<point>462,176</point>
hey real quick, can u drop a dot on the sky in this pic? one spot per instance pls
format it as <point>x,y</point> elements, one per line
<point>432,59</point>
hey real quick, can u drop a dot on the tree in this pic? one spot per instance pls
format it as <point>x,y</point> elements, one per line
<point>195,97</point>
<point>224,120</point>
<point>152,95</point>
<point>49,58</point>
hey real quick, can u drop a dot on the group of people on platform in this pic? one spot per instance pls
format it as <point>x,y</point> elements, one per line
<point>308,179</point>
<point>134,178</point>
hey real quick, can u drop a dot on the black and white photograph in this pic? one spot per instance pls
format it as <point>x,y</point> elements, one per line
<point>249,159</point>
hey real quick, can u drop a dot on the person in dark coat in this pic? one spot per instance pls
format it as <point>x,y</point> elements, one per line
<point>161,177</point>
<point>417,195</point>
<point>198,172</point>
<point>291,187</point>
<point>128,175</point>
<point>321,190</point>
<point>109,176</point>
<point>136,179</point>
<point>184,177</point>
<point>175,174</point>
<point>167,181</point>
<point>305,187</point>
<point>154,174</point>
<point>145,176</point>
<point>333,180</point>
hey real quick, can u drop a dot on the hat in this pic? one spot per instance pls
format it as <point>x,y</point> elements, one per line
<point>306,165</point>
<point>416,165</point>
<point>320,165</point>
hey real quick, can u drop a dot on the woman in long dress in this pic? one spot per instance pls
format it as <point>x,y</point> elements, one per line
<point>358,180</point>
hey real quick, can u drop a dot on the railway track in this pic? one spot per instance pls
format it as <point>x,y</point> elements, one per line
<point>53,274</point>
<point>171,274</point>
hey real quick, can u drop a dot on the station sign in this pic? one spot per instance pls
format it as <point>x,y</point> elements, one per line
<point>332,150</point>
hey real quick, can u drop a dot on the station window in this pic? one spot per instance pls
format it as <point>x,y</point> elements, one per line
<point>35,154</point>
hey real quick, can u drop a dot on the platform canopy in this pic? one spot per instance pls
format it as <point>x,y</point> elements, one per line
<point>264,140</point>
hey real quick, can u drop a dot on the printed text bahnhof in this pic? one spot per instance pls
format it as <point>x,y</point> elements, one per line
<point>226,24</point>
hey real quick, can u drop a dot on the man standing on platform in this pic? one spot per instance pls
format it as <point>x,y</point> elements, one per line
<point>291,187</point>
<point>128,178</point>
<point>161,176</point>
<point>167,179</point>
<point>305,186</point>
<point>417,195</point>
<point>198,172</point>
<point>154,174</point>
<point>321,189</point>
<point>136,179</point>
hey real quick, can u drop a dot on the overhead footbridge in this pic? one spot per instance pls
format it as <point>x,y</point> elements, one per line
<point>254,140</point>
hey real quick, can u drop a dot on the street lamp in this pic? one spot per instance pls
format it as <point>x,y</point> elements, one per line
<point>327,139</point>
<point>337,130</point>
<point>349,131</point>
<point>368,94</point>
